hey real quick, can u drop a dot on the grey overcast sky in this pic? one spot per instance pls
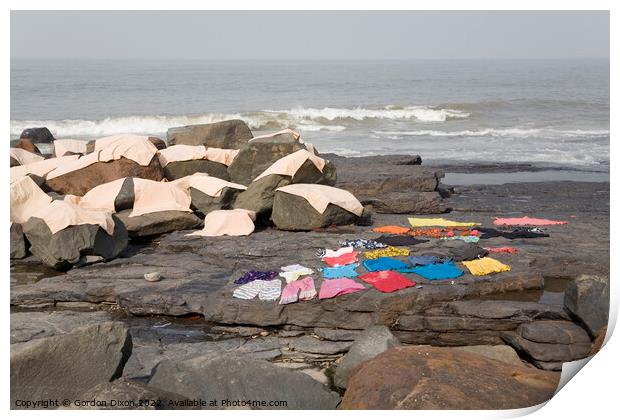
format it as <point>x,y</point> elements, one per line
<point>309,35</point>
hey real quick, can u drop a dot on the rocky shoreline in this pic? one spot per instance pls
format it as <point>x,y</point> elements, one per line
<point>548,309</point>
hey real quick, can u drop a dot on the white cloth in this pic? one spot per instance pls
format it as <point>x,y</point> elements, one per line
<point>24,157</point>
<point>237,222</point>
<point>209,185</point>
<point>295,134</point>
<point>290,164</point>
<point>264,289</point>
<point>333,254</point>
<point>60,214</point>
<point>320,196</point>
<point>65,146</point>
<point>295,271</point>
<point>41,168</point>
<point>26,199</point>
<point>154,196</point>
<point>102,197</point>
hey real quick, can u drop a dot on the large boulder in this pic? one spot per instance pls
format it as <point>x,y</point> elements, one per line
<point>242,380</point>
<point>63,367</point>
<point>411,202</point>
<point>587,298</point>
<point>37,135</point>
<point>432,378</point>
<point>156,223</point>
<point>230,134</point>
<point>372,342</point>
<point>71,245</point>
<point>204,203</point>
<point>19,248</point>
<point>176,170</point>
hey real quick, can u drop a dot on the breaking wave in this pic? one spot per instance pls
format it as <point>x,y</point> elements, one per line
<point>495,132</point>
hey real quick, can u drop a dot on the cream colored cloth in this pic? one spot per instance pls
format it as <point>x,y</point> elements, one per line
<point>320,196</point>
<point>235,222</point>
<point>25,157</point>
<point>137,148</point>
<point>181,153</point>
<point>79,163</point>
<point>41,168</point>
<point>60,214</point>
<point>209,185</point>
<point>153,196</point>
<point>73,199</point>
<point>26,199</point>
<point>223,156</point>
<point>295,134</point>
<point>437,221</point>
<point>64,146</point>
<point>290,164</point>
<point>102,197</point>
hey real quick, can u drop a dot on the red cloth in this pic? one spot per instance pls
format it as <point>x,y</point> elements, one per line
<point>340,260</point>
<point>503,249</point>
<point>387,281</point>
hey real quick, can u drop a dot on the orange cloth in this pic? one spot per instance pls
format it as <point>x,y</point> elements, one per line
<point>397,230</point>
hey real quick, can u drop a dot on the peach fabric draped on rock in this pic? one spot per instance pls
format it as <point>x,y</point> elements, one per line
<point>320,196</point>
<point>290,164</point>
<point>209,185</point>
<point>181,153</point>
<point>154,196</point>
<point>60,214</point>
<point>41,168</point>
<point>24,157</point>
<point>64,146</point>
<point>223,156</point>
<point>295,134</point>
<point>26,199</point>
<point>103,196</point>
<point>236,222</point>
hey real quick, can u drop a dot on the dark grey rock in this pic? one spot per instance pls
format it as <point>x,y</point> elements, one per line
<point>205,204</point>
<point>159,222</point>
<point>19,248</point>
<point>547,352</point>
<point>587,298</point>
<point>414,202</point>
<point>27,326</point>
<point>176,170</point>
<point>65,366</point>
<point>230,134</point>
<point>553,332</point>
<point>157,142</point>
<point>308,344</point>
<point>259,195</point>
<point>37,135</point>
<point>372,342</point>
<point>14,162</point>
<point>337,334</point>
<point>126,196</point>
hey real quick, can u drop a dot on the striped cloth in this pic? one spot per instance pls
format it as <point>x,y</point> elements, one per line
<point>264,289</point>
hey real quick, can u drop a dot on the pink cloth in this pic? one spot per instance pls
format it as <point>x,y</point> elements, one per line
<point>320,196</point>
<point>40,168</point>
<point>526,221</point>
<point>137,148</point>
<point>237,222</point>
<point>223,156</point>
<point>26,199</point>
<point>65,146</point>
<point>103,196</point>
<point>24,157</point>
<point>181,153</point>
<point>337,287</point>
<point>305,288</point>
<point>153,196</point>
<point>290,164</point>
<point>61,214</point>
<point>340,260</point>
<point>209,185</point>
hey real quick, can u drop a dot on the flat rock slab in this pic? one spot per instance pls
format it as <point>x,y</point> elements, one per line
<point>26,326</point>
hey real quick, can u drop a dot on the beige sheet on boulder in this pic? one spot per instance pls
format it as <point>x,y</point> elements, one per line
<point>41,168</point>
<point>154,196</point>
<point>320,196</point>
<point>102,197</point>
<point>26,199</point>
<point>73,199</point>
<point>79,163</point>
<point>290,164</point>
<point>209,185</point>
<point>223,156</point>
<point>64,146</point>
<point>235,222</point>
<point>61,214</point>
<point>181,153</point>
<point>295,134</point>
<point>24,157</point>
<point>131,146</point>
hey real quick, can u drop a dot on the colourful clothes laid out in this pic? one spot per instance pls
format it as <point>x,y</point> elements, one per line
<point>416,260</point>
<point>341,260</point>
<point>337,287</point>
<point>302,289</point>
<point>295,271</point>
<point>439,232</point>
<point>264,289</point>
<point>400,240</point>
<point>396,230</point>
<point>363,243</point>
<point>468,239</point>
<point>343,271</point>
<point>518,233</point>
<point>387,281</point>
<point>390,251</point>
<point>383,263</point>
<point>442,271</point>
<point>256,275</point>
<point>437,221</point>
<point>503,250</point>
<point>484,266</point>
<point>329,253</point>
<point>526,221</point>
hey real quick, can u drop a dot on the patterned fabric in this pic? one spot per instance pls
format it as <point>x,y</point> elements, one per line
<point>383,263</point>
<point>337,287</point>
<point>400,240</point>
<point>256,275</point>
<point>390,251</point>
<point>485,266</point>
<point>302,287</point>
<point>447,270</point>
<point>363,243</point>
<point>264,289</point>
<point>295,271</point>
<point>416,260</point>
<point>344,271</point>
<point>340,260</point>
<point>387,281</point>
<point>468,239</point>
<point>503,250</point>
<point>439,232</point>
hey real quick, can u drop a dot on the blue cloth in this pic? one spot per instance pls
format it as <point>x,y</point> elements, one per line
<point>423,259</point>
<point>383,263</point>
<point>343,271</point>
<point>441,271</point>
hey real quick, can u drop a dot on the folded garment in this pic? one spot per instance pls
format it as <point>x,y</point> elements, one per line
<point>416,260</point>
<point>397,230</point>
<point>320,196</point>
<point>24,157</point>
<point>61,214</point>
<point>302,287</point>
<point>341,260</point>
<point>383,263</point>
<point>290,164</point>
<point>469,239</point>
<point>484,266</point>
<point>64,147</point>
<point>387,281</point>
<point>438,221</point>
<point>26,199</point>
<point>400,240</point>
<point>503,250</point>
<point>237,222</point>
<point>526,221</point>
<point>153,196</point>
<point>256,275</point>
<point>293,272</point>
<point>487,233</point>
<point>343,271</point>
<point>442,271</point>
<point>390,251</point>
<point>439,232</point>
<point>264,289</point>
<point>341,251</point>
<point>337,287</point>
<point>363,243</point>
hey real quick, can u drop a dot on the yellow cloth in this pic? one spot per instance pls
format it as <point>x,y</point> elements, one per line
<point>484,266</point>
<point>390,251</point>
<point>438,221</point>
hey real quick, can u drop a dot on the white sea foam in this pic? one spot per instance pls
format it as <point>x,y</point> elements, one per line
<point>419,113</point>
<point>498,132</point>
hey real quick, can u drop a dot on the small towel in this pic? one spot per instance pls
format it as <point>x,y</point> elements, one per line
<point>387,281</point>
<point>344,271</point>
<point>484,266</point>
<point>441,271</point>
<point>390,251</point>
<point>384,263</point>
<point>337,287</point>
<point>302,289</point>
